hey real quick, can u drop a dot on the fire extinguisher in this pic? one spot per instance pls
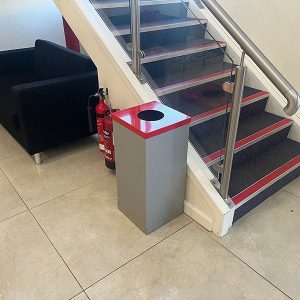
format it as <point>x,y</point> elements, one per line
<point>109,142</point>
<point>100,110</point>
<point>100,117</point>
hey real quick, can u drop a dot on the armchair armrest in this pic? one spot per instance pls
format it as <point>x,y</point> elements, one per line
<point>46,89</point>
<point>55,110</point>
<point>16,61</point>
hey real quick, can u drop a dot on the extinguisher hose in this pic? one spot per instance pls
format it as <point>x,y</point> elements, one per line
<point>108,100</point>
<point>92,102</point>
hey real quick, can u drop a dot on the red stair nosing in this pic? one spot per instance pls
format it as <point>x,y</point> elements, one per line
<point>222,109</point>
<point>156,26</point>
<point>266,181</point>
<point>185,51</point>
<point>249,140</point>
<point>193,82</point>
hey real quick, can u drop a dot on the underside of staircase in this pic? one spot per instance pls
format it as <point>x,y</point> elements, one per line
<point>186,69</point>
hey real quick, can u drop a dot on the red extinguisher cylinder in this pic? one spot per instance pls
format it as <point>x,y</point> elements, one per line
<point>104,124</point>
<point>101,110</point>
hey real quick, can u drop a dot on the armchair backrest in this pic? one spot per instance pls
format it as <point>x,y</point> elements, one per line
<point>53,61</point>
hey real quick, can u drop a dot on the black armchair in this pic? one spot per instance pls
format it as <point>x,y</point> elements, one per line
<point>43,95</point>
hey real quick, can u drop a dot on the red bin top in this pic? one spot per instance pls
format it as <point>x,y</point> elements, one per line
<point>150,119</point>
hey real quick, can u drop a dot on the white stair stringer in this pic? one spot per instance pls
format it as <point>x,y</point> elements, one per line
<point>202,201</point>
<point>106,53</point>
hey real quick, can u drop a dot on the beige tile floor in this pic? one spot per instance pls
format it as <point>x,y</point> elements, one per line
<point>62,237</point>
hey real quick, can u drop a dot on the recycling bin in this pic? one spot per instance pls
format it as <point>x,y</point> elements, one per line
<point>151,143</point>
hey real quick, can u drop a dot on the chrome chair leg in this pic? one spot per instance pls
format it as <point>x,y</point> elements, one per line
<point>37,158</point>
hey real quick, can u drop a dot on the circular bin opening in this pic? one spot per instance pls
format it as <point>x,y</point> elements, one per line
<point>150,115</point>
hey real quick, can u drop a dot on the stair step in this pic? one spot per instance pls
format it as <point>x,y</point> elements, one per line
<point>166,39</point>
<point>157,25</point>
<point>251,131</point>
<point>180,49</point>
<point>178,81</point>
<point>208,101</point>
<point>261,176</point>
<point>103,4</point>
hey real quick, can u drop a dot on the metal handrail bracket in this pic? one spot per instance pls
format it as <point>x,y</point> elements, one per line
<point>280,82</point>
<point>136,52</point>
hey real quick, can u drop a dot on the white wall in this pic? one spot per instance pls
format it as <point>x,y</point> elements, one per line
<point>24,21</point>
<point>273,25</point>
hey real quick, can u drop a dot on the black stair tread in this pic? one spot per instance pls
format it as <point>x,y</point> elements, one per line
<point>172,77</point>
<point>201,99</point>
<point>213,142</point>
<point>122,23</point>
<point>252,170</point>
<point>188,44</point>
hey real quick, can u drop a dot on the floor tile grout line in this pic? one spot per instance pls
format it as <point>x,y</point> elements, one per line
<point>140,254</point>
<point>290,193</point>
<point>26,207</point>
<point>82,292</point>
<point>56,250</point>
<point>86,294</point>
<point>69,192</point>
<point>75,295</point>
<point>251,268</point>
<point>22,212</point>
<point>47,237</point>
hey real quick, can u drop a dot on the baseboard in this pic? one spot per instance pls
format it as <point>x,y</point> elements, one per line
<point>198,216</point>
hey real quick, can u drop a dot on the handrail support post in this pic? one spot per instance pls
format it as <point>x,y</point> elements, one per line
<point>136,53</point>
<point>232,130</point>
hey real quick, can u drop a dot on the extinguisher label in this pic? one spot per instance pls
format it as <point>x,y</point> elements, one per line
<point>108,140</point>
<point>100,134</point>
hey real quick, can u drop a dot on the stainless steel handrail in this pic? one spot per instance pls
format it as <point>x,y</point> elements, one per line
<point>287,90</point>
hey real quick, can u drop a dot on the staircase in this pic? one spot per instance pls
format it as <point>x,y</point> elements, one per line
<point>186,67</point>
